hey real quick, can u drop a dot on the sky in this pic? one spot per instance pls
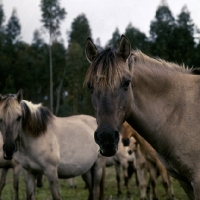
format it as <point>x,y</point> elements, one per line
<point>104,16</point>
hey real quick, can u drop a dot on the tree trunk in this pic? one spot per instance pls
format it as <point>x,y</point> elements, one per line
<point>59,91</point>
<point>51,74</point>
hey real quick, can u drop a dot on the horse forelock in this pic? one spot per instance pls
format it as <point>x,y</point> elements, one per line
<point>9,105</point>
<point>105,70</point>
<point>35,118</point>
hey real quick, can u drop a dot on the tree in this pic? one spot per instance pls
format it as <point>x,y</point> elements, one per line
<point>78,97</point>
<point>13,28</point>
<point>2,16</point>
<point>52,15</point>
<point>114,41</point>
<point>182,41</point>
<point>161,29</point>
<point>137,39</point>
<point>80,30</point>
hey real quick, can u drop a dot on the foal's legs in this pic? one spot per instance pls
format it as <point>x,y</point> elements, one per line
<point>16,172</point>
<point>52,176</point>
<point>30,184</point>
<point>124,164</point>
<point>117,169</point>
<point>3,179</point>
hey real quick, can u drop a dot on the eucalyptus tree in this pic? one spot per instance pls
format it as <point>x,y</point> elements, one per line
<point>77,65</point>
<point>182,42</point>
<point>52,15</point>
<point>161,29</point>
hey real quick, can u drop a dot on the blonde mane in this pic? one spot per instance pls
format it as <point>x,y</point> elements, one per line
<point>142,59</point>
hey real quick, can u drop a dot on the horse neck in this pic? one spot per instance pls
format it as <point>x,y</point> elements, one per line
<point>156,93</point>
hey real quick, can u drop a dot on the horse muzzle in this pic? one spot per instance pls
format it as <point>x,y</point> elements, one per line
<point>8,151</point>
<point>108,151</point>
<point>108,143</point>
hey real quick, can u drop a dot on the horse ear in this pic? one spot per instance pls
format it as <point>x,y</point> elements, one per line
<point>19,96</point>
<point>90,50</point>
<point>124,48</point>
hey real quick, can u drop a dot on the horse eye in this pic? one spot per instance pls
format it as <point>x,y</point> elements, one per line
<point>1,120</point>
<point>19,118</point>
<point>90,88</point>
<point>126,84</point>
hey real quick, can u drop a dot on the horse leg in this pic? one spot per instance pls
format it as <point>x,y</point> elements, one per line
<point>87,178</point>
<point>141,174</point>
<point>30,184</point>
<point>171,188</point>
<point>16,172</point>
<point>188,190</point>
<point>126,178</point>
<point>98,178</point>
<point>39,180</point>
<point>153,177</point>
<point>3,179</point>
<point>52,177</point>
<point>117,169</point>
<point>166,184</point>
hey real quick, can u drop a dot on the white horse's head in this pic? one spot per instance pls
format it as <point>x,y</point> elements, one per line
<point>10,122</point>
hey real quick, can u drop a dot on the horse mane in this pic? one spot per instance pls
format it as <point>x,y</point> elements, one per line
<point>105,69</point>
<point>140,58</point>
<point>35,118</point>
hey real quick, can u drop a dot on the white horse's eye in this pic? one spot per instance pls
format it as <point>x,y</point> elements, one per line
<point>19,118</point>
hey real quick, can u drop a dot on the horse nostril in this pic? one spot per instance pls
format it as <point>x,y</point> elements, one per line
<point>116,136</point>
<point>129,152</point>
<point>96,138</point>
<point>4,147</point>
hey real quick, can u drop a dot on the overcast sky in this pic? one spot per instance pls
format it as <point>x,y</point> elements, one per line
<point>103,15</point>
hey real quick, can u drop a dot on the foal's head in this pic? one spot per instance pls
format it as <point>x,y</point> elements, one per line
<point>109,82</point>
<point>10,122</point>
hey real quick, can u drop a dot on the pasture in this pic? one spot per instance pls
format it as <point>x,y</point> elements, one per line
<point>81,194</point>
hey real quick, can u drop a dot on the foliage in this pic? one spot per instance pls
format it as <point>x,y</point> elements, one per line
<point>80,30</point>
<point>78,97</point>
<point>13,28</point>
<point>115,39</point>
<point>52,15</point>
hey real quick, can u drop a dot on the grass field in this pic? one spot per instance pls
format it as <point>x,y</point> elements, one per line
<point>81,194</point>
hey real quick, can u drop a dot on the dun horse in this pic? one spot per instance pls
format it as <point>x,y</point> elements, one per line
<point>50,145</point>
<point>160,100</point>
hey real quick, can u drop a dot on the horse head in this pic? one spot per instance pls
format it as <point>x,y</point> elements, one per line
<point>109,81</point>
<point>10,122</point>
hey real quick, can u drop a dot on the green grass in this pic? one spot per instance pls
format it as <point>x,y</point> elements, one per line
<point>81,194</point>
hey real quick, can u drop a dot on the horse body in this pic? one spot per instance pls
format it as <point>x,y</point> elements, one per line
<point>160,100</point>
<point>59,147</point>
<point>49,145</point>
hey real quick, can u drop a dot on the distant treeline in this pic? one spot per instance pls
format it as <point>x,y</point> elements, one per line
<point>26,66</point>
